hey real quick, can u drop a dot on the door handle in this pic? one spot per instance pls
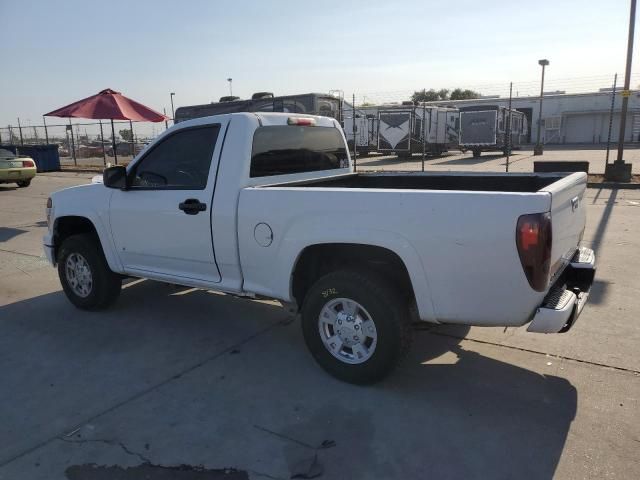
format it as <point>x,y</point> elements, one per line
<point>191,206</point>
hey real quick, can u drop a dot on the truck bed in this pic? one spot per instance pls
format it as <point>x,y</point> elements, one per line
<point>492,182</point>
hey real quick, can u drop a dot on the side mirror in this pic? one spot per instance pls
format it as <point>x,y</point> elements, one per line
<point>115,177</point>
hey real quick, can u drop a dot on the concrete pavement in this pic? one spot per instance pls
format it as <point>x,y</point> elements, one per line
<point>519,161</point>
<point>174,376</point>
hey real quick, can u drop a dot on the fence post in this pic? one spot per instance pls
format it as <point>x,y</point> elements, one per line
<point>613,101</point>
<point>132,139</point>
<point>73,144</point>
<point>104,151</point>
<point>509,126</point>
<point>46,133</point>
<point>353,128</point>
<point>20,130</point>
<point>424,133</point>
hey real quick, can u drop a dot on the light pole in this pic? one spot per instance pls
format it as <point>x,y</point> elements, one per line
<point>230,80</point>
<point>537,150</point>
<point>620,171</point>
<point>173,113</point>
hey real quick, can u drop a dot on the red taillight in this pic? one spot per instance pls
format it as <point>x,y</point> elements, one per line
<point>28,164</point>
<point>533,239</point>
<point>301,121</point>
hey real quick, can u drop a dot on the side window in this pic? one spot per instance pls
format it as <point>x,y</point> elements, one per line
<point>287,149</point>
<point>181,160</point>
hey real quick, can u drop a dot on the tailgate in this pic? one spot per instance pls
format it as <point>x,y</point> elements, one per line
<point>568,218</point>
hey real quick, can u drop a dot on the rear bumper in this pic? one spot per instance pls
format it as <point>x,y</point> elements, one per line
<point>17,174</point>
<point>568,295</point>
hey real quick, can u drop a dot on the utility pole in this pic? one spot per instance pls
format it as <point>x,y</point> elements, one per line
<point>619,171</point>
<point>537,150</point>
<point>230,80</point>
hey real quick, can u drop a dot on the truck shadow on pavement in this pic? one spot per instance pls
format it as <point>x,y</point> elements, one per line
<point>176,377</point>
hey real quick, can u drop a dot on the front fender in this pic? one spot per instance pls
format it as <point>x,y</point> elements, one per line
<point>90,202</point>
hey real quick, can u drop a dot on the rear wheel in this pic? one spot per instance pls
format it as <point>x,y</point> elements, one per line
<point>24,183</point>
<point>356,325</point>
<point>85,275</point>
<point>476,152</point>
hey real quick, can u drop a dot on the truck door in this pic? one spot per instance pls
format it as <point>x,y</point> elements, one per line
<point>162,223</point>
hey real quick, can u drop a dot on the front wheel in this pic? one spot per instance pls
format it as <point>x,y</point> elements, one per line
<point>356,325</point>
<point>85,275</point>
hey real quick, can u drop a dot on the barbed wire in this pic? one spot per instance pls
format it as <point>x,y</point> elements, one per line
<point>523,88</point>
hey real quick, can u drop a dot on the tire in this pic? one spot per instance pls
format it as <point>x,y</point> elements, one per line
<point>477,152</point>
<point>24,183</point>
<point>102,288</point>
<point>378,302</point>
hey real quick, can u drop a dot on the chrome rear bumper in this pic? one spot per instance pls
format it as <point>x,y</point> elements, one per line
<point>568,295</point>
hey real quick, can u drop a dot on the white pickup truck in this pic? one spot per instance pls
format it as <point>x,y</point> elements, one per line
<point>269,205</point>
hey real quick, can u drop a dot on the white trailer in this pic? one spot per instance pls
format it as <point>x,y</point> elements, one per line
<point>407,129</point>
<point>366,128</point>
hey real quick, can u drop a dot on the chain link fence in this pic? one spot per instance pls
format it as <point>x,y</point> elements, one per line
<point>91,142</point>
<point>86,143</point>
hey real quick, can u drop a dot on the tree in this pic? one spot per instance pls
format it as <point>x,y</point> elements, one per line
<point>432,95</point>
<point>126,135</point>
<point>460,94</point>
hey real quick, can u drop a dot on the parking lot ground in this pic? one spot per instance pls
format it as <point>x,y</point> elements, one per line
<point>519,161</point>
<point>175,376</point>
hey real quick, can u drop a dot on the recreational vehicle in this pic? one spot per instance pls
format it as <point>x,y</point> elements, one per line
<point>361,127</point>
<point>310,103</point>
<point>406,129</point>
<point>486,128</point>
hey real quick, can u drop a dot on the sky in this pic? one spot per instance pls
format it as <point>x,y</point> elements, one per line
<point>54,53</point>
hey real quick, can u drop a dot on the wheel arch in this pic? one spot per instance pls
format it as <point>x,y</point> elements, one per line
<point>318,259</point>
<point>68,225</point>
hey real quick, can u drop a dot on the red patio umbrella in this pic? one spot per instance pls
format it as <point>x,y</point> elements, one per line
<point>109,105</point>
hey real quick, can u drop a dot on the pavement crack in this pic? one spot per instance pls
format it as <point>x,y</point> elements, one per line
<point>285,437</point>
<point>323,446</point>
<point>528,350</point>
<point>140,394</point>
<point>112,443</point>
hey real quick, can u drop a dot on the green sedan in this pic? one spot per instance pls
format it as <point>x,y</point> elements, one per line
<point>16,169</point>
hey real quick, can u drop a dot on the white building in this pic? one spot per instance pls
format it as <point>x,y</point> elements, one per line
<point>575,118</point>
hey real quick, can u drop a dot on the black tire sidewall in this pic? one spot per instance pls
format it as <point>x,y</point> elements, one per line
<point>381,302</point>
<point>104,287</point>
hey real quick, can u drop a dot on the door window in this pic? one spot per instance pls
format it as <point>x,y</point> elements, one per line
<point>180,161</point>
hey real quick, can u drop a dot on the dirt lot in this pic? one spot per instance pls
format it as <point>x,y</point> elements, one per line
<point>181,377</point>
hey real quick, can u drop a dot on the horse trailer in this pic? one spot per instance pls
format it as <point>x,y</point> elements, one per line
<point>486,128</point>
